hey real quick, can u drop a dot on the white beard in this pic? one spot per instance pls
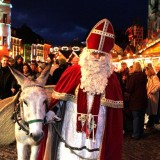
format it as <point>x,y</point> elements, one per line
<point>95,72</point>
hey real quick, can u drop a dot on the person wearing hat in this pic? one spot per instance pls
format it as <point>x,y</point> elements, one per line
<point>92,125</point>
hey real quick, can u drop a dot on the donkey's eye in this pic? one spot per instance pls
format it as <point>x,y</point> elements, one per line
<point>25,102</point>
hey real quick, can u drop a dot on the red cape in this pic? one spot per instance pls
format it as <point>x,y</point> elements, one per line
<point>111,148</point>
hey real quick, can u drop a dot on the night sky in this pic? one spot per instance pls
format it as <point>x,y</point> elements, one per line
<point>61,21</point>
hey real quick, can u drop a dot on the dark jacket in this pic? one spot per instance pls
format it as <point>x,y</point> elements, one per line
<point>136,87</point>
<point>17,66</point>
<point>57,74</point>
<point>7,81</point>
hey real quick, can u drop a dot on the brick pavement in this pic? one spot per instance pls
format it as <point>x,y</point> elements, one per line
<point>147,148</point>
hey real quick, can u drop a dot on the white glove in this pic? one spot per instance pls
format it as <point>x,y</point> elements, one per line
<point>51,117</point>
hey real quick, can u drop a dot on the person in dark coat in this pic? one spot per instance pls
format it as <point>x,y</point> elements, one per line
<point>124,73</point>
<point>136,87</point>
<point>18,63</point>
<point>8,83</point>
<point>58,71</point>
<point>127,113</point>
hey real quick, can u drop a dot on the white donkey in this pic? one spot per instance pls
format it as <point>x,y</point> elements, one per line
<point>30,114</point>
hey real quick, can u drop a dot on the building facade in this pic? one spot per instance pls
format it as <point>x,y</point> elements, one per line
<point>5,23</point>
<point>16,47</point>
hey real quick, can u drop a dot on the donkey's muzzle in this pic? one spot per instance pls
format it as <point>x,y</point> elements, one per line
<point>37,136</point>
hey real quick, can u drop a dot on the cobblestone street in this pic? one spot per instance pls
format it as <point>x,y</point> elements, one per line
<point>147,148</point>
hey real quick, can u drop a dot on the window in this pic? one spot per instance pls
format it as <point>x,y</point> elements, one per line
<point>5,41</point>
<point>4,18</point>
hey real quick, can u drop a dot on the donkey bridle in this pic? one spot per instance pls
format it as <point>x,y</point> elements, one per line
<point>18,119</point>
<point>23,124</point>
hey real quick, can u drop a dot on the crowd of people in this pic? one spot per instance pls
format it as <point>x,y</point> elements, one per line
<point>141,95</point>
<point>32,69</point>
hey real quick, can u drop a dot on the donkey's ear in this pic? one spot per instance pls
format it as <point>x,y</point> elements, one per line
<point>18,76</point>
<point>42,79</point>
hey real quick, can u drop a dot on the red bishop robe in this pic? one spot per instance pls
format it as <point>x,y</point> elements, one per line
<point>111,148</point>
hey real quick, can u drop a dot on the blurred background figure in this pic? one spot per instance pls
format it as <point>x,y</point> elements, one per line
<point>136,88</point>
<point>18,63</point>
<point>153,87</point>
<point>11,61</point>
<point>34,66</point>
<point>73,59</point>
<point>131,70</point>
<point>123,76</point>
<point>55,65</point>
<point>27,72</point>
<point>59,70</point>
<point>127,113</point>
<point>50,57</point>
<point>55,62</point>
<point>8,83</point>
<point>40,68</point>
